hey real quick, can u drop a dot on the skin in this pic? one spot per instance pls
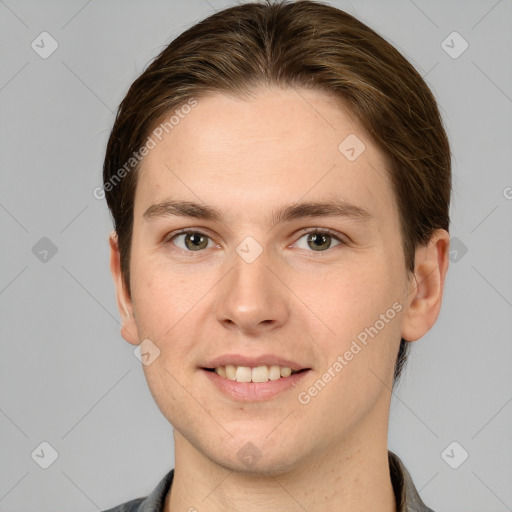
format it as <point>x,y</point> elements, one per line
<point>247,158</point>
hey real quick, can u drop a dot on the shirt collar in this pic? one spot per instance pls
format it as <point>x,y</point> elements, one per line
<point>407,497</point>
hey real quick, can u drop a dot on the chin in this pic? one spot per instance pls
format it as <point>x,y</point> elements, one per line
<point>258,455</point>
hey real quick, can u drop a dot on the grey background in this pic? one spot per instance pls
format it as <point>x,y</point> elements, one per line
<point>67,376</point>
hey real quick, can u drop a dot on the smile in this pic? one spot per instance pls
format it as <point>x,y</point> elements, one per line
<point>257,374</point>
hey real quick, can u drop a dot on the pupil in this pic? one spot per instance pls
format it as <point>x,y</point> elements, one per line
<point>317,236</point>
<point>195,240</point>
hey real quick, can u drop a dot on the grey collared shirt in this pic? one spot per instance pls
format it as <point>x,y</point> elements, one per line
<point>407,498</point>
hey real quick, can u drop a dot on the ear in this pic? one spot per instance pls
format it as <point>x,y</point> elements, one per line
<point>426,286</point>
<point>124,303</point>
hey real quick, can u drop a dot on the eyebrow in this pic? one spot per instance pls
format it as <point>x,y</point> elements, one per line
<point>328,208</point>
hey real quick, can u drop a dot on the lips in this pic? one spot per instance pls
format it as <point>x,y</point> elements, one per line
<point>254,391</point>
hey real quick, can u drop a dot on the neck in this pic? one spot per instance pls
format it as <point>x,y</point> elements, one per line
<point>354,477</point>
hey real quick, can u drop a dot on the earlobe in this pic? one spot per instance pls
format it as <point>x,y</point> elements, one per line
<point>124,303</point>
<point>427,285</point>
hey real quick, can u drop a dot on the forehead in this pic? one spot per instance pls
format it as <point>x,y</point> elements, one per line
<point>280,146</point>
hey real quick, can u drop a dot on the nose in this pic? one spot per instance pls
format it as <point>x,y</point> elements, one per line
<point>252,298</point>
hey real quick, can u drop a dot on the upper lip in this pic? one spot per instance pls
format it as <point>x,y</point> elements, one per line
<point>261,360</point>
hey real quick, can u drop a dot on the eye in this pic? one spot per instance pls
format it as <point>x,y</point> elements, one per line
<point>192,240</point>
<point>319,240</point>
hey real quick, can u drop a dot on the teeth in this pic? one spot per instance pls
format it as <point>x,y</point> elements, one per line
<point>243,374</point>
<point>257,374</point>
<point>274,373</point>
<point>230,371</point>
<point>286,372</point>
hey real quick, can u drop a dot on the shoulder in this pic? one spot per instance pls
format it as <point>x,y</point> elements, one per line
<point>406,494</point>
<point>154,502</point>
<point>129,506</point>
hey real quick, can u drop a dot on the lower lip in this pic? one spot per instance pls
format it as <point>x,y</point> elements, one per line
<point>254,391</point>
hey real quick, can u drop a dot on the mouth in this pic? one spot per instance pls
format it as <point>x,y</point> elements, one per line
<point>252,384</point>
<point>256,374</point>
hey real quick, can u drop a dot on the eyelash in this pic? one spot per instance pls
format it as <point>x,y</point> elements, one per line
<point>316,231</point>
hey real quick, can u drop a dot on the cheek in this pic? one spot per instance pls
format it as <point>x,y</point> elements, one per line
<point>161,295</point>
<point>171,306</point>
<point>357,314</point>
<point>346,300</point>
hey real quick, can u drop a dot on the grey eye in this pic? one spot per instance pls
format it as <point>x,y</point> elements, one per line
<point>193,241</point>
<point>319,241</point>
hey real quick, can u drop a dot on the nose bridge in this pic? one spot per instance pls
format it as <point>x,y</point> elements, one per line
<point>251,296</point>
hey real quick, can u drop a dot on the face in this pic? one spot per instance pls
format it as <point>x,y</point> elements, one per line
<point>266,274</point>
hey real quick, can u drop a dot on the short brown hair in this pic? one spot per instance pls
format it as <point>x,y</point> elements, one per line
<point>301,44</point>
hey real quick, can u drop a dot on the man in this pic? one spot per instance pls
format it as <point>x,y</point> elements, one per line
<point>279,179</point>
